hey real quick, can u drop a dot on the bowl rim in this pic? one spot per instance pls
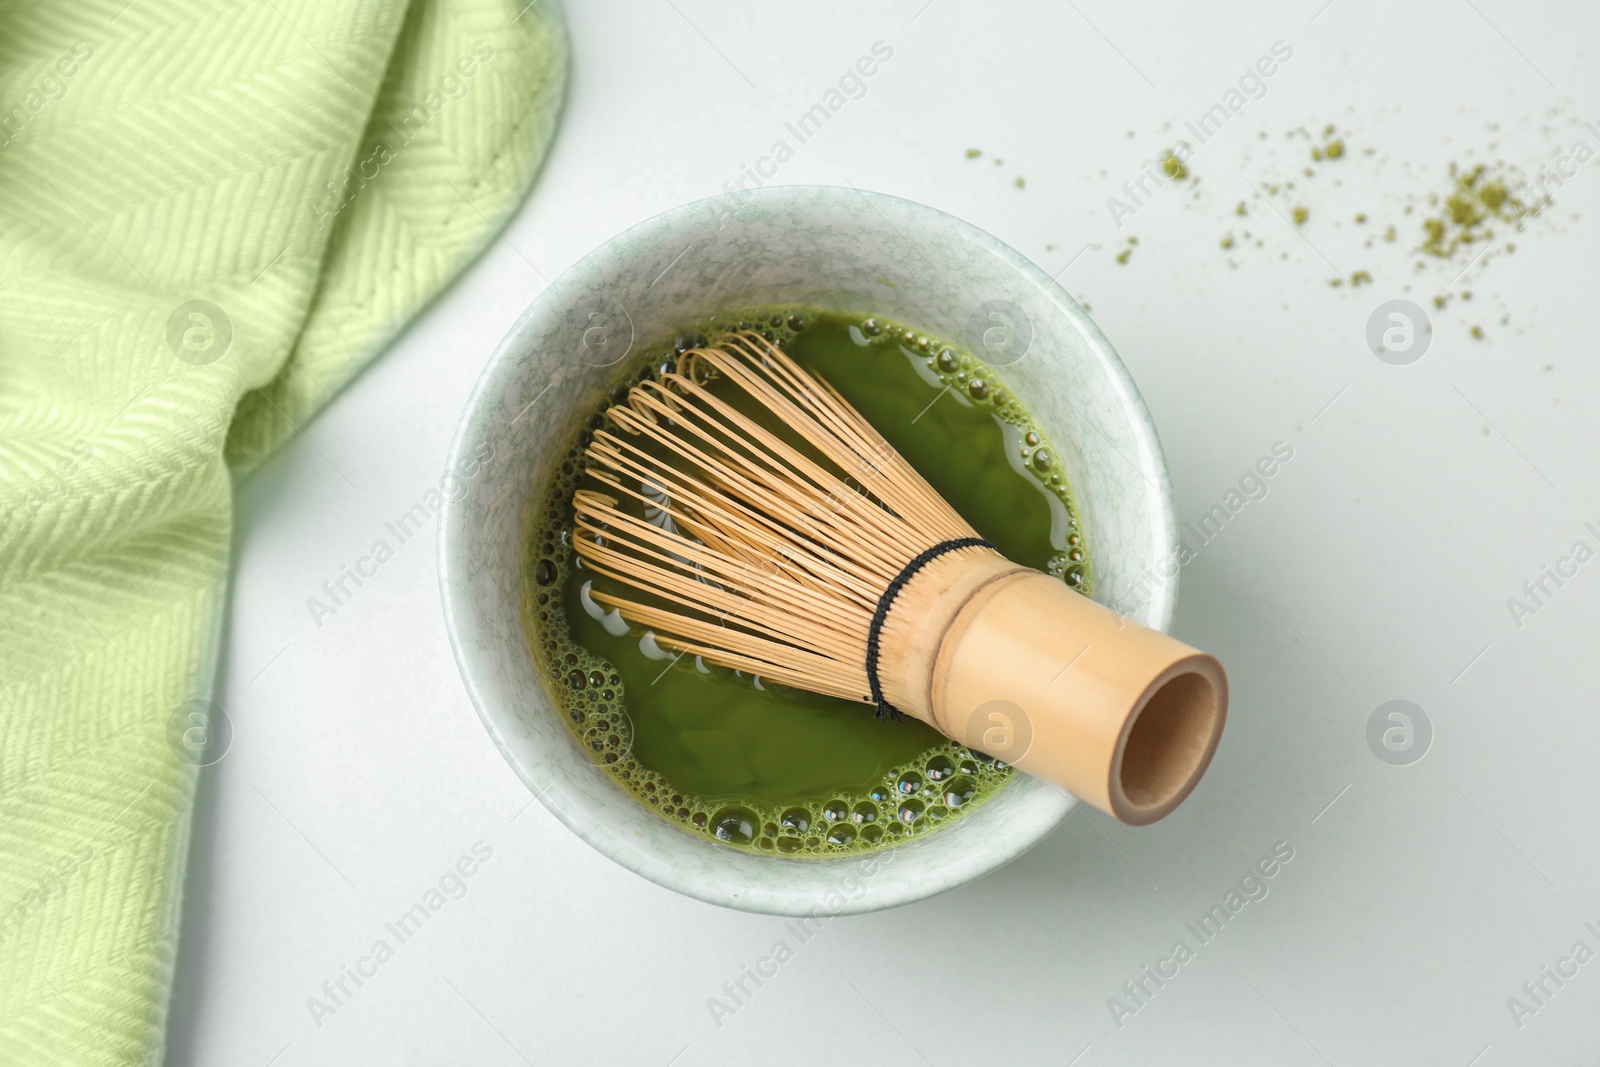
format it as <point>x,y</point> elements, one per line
<point>1049,805</point>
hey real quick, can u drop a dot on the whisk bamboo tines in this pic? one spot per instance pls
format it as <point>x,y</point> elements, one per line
<point>771,529</point>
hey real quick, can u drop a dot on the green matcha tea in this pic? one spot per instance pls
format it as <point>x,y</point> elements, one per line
<point>753,764</point>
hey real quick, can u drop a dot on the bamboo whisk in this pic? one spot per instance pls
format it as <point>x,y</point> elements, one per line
<point>817,557</point>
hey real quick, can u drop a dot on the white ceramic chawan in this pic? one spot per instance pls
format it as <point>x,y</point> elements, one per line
<point>836,248</point>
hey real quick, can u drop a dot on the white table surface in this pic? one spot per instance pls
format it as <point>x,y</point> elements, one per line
<point>1418,500</point>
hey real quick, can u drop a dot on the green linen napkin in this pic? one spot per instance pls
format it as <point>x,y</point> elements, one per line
<point>212,214</point>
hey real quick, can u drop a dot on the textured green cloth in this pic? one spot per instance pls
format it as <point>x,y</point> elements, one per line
<point>212,214</point>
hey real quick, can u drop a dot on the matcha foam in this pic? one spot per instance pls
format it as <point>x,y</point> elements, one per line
<point>762,767</point>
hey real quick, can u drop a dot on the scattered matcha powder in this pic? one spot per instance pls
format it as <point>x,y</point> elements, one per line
<point>1468,210</point>
<point>1020,183</point>
<point>974,153</point>
<point>1477,332</point>
<point>1463,220</point>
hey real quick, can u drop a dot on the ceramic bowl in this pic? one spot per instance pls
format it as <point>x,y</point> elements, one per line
<point>838,248</point>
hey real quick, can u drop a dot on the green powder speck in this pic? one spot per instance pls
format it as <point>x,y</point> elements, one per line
<point>1020,183</point>
<point>1464,211</point>
<point>1435,231</point>
<point>1361,218</point>
<point>1122,256</point>
<point>1174,167</point>
<point>1241,209</point>
<point>1360,277</point>
<point>974,153</point>
<point>1301,215</point>
<point>1227,242</point>
<point>1468,210</point>
<point>1335,149</point>
<point>1477,332</point>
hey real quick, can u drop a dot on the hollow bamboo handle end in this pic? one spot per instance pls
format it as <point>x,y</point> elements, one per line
<point>1045,679</point>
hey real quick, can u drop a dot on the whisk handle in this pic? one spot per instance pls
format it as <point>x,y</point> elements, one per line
<point>1018,665</point>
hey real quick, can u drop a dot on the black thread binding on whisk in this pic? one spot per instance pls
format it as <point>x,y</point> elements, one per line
<point>886,709</point>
